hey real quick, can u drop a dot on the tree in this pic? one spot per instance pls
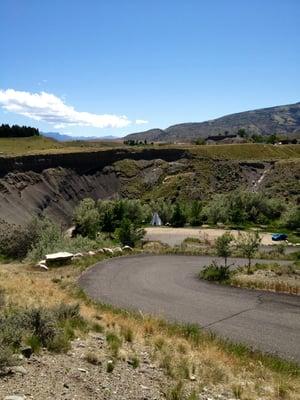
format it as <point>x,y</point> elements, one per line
<point>223,246</point>
<point>272,139</point>
<point>242,133</point>
<point>178,217</point>
<point>87,218</point>
<point>128,234</point>
<point>195,218</point>
<point>200,141</point>
<point>248,243</point>
<point>291,218</point>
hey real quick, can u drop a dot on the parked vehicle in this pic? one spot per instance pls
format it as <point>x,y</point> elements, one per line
<point>279,236</point>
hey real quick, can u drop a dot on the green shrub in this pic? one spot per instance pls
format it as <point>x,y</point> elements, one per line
<point>34,342</point>
<point>92,358</point>
<point>67,311</point>
<point>215,273</point>
<point>114,343</point>
<point>128,234</point>
<point>291,219</point>
<point>49,239</point>
<point>39,327</point>
<point>195,215</point>
<point>6,357</point>
<point>134,361</point>
<point>178,217</point>
<point>86,218</point>
<point>60,343</point>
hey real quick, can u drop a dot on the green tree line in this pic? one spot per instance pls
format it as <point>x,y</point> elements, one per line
<point>7,131</point>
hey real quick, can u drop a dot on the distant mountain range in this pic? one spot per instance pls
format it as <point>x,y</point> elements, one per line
<point>265,121</point>
<point>67,138</point>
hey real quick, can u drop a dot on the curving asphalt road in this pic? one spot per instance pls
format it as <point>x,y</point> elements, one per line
<point>168,286</point>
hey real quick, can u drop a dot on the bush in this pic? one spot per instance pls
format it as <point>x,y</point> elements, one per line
<point>240,207</point>
<point>87,218</point>
<point>67,311</point>
<point>114,343</point>
<point>48,239</point>
<point>39,327</point>
<point>195,215</point>
<point>178,217</point>
<point>291,219</point>
<point>6,357</point>
<point>215,273</point>
<point>128,234</point>
<point>248,244</point>
<point>113,212</point>
<point>60,343</point>
<point>223,246</point>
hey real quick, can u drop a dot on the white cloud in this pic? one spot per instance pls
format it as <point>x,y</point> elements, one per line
<point>49,108</point>
<point>141,122</point>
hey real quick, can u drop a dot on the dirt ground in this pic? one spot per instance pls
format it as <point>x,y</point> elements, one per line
<point>175,236</point>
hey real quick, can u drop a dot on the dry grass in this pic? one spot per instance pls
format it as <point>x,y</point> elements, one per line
<point>43,145</point>
<point>247,151</point>
<point>271,277</point>
<point>283,284</point>
<point>185,354</point>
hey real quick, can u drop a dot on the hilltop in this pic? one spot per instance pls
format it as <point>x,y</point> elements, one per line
<point>265,121</point>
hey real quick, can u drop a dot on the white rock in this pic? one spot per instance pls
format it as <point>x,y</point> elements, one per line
<point>78,255</point>
<point>42,264</point>
<point>15,397</point>
<point>59,257</point>
<point>100,251</point>
<point>82,370</point>
<point>91,253</point>
<point>127,248</point>
<point>117,250</point>
<point>19,369</point>
<point>107,250</point>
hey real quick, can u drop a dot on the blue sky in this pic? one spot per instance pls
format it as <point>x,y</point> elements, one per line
<point>109,66</point>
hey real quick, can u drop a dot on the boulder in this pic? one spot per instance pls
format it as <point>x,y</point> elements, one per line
<point>26,351</point>
<point>127,248</point>
<point>91,253</point>
<point>60,258</point>
<point>42,264</point>
<point>107,250</point>
<point>117,250</point>
<point>76,256</point>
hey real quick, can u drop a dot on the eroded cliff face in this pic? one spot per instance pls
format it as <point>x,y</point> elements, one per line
<point>54,184</point>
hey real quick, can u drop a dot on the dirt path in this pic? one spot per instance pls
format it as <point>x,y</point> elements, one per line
<point>174,236</point>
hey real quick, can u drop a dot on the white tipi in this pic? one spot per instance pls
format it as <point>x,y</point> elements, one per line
<point>156,221</point>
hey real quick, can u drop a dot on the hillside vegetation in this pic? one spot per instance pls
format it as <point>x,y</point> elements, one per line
<point>247,151</point>
<point>266,121</point>
<point>43,145</point>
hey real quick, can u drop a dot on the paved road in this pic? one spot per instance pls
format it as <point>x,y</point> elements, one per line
<point>168,286</point>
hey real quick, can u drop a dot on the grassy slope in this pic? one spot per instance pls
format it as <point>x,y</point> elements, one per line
<point>248,151</point>
<point>37,145</point>
<point>42,145</point>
